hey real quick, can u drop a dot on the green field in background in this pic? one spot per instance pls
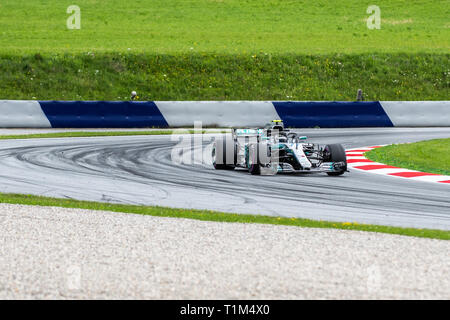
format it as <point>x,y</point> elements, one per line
<point>225,26</point>
<point>224,50</point>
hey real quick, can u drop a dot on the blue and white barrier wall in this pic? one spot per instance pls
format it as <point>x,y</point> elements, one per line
<point>300,114</point>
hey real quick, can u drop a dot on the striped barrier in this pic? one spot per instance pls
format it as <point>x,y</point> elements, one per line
<point>300,114</point>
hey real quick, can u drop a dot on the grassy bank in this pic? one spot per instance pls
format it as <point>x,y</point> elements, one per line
<point>207,215</point>
<point>224,50</point>
<point>428,156</point>
<point>209,76</point>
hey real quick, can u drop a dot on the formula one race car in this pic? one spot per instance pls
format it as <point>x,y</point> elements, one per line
<point>274,149</point>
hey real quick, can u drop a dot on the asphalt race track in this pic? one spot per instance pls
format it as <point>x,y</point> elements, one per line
<point>140,170</point>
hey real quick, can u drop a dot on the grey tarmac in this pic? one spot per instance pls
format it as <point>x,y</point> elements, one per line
<point>139,170</point>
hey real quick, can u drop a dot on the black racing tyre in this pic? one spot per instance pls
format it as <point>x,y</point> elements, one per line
<point>255,169</point>
<point>254,166</point>
<point>224,158</point>
<point>336,153</point>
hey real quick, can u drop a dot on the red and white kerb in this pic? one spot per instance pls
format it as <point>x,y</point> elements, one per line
<point>356,160</point>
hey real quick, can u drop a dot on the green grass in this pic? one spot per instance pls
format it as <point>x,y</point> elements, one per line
<point>225,77</point>
<point>207,215</point>
<point>224,50</point>
<point>224,26</point>
<point>429,156</point>
<point>103,133</point>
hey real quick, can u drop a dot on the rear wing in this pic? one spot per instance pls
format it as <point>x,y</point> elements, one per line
<point>258,132</point>
<point>248,132</point>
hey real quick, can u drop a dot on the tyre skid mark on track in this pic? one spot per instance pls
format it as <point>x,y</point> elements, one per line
<point>321,190</point>
<point>149,163</point>
<point>284,192</point>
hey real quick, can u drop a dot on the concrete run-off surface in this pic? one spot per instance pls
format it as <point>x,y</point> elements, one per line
<point>48,253</point>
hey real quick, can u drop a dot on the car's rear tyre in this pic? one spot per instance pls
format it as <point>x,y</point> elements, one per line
<point>253,165</point>
<point>259,154</point>
<point>336,153</point>
<point>220,154</point>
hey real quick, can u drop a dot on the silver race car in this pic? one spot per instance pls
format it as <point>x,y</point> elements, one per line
<point>274,149</point>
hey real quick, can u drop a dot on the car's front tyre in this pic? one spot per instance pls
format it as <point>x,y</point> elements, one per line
<point>336,153</point>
